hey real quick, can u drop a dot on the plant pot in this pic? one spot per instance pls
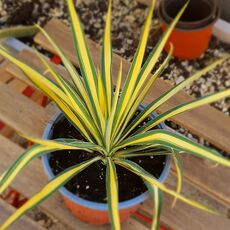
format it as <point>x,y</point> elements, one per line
<point>94,212</point>
<point>192,34</point>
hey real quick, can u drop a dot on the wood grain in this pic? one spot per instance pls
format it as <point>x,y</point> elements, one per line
<point>22,114</point>
<point>24,223</point>
<point>1,58</point>
<point>4,75</point>
<point>185,217</point>
<point>208,177</point>
<point>202,121</point>
<point>17,85</point>
<point>211,180</point>
<point>33,178</point>
<point>14,84</point>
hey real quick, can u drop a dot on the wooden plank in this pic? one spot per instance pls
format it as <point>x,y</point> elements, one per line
<point>201,121</point>
<point>21,81</point>
<point>133,224</point>
<point>1,58</point>
<point>7,132</point>
<point>211,179</point>
<point>21,114</point>
<point>183,217</point>
<point>24,223</point>
<point>17,85</point>
<point>34,176</point>
<point>37,97</point>
<point>182,214</point>
<point>36,179</point>
<point>215,187</point>
<point>6,78</point>
<point>4,75</point>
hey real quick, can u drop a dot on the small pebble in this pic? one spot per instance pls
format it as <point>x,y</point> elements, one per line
<point>179,80</point>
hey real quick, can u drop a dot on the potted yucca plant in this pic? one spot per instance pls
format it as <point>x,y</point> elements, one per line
<point>104,150</point>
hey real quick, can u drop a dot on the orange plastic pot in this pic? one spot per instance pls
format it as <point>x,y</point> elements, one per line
<point>189,44</point>
<point>192,34</point>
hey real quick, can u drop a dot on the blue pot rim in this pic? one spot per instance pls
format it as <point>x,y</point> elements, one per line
<point>90,204</point>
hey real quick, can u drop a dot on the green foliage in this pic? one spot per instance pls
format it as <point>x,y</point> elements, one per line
<point>105,118</point>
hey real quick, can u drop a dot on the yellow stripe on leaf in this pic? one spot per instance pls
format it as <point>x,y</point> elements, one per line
<point>86,65</point>
<point>155,54</point>
<point>63,143</point>
<point>101,95</point>
<point>107,60</point>
<point>68,65</point>
<point>112,194</point>
<point>82,49</point>
<point>109,132</point>
<point>178,164</point>
<point>136,64</point>
<point>135,103</point>
<point>177,142</point>
<point>158,200</point>
<point>73,74</point>
<point>33,75</point>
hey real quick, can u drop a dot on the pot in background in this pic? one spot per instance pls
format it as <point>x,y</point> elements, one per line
<point>192,34</point>
<point>93,212</point>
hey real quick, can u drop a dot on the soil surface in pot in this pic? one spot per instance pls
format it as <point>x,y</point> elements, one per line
<point>90,183</point>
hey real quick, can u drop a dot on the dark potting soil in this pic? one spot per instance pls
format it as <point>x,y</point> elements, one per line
<point>90,183</point>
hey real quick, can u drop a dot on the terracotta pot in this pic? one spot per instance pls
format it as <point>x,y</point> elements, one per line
<point>93,212</point>
<point>192,34</point>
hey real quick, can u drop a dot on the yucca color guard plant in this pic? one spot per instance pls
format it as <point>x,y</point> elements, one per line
<point>104,118</point>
